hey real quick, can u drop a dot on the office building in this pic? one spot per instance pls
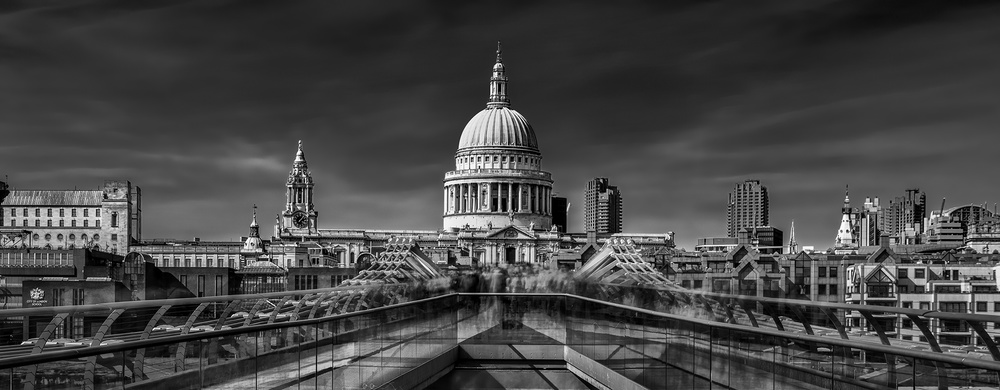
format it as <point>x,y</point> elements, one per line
<point>603,208</point>
<point>747,208</point>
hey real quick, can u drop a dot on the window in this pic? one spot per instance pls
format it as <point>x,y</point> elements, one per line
<point>72,223</point>
<point>697,284</point>
<point>996,306</point>
<point>218,285</point>
<point>821,289</point>
<point>833,287</point>
<point>903,273</point>
<point>97,213</point>
<point>821,272</point>
<point>952,307</point>
<point>903,289</point>
<point>38,223</point>
<point>61,223</point>
<point>25,213</point>
<point>907,305</point>
<point>62,213</point>
<point>83,237</point>
<point>48,212</point>
<point>48,237</point>
<point>184,280</point>
<point>86,223</point>
<point>925,305</point>
<point>72,212</point>
<point>38,212</point>
<point>908,324</point>
<point>980,307</point>
<point>201,286</point>
<point>114,218</point>
<point>48,223</point>
<point>97,237</point>
<point>97,223</point>
<point>86,212</point>
<point>114,237</point>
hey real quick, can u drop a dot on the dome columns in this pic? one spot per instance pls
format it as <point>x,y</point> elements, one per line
<point>497,197</point>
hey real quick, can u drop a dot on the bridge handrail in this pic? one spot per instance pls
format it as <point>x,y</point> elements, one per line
<point>131,345</point>
<point>833,305</point>
<point>45,357</point>
<point>111,306</point>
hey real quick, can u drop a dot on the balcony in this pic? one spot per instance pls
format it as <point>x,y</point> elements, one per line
<point>492,172</point>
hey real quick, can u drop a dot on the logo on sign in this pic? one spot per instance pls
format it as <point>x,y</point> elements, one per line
<point>37,294</point>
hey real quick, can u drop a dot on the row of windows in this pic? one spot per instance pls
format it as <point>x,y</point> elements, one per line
<point>177,262</point>
<point>72,237</point>
<point>199,289</point>
<point>919,273</point>
<point>821,289</point>
<point>48,223</point>
<point>48,212</point>
<point>497,159</point>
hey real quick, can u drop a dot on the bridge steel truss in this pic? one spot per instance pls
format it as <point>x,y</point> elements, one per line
<point>621,275</point>
<point>388,281</point>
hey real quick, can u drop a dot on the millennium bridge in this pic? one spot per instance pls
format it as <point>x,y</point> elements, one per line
<point>615,323</point>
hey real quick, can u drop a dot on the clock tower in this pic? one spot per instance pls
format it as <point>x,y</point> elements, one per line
<point>299,215</point>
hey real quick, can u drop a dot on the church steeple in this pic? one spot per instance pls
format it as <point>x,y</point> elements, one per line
<point>846,233</point>
<point>498,83</point>
<point>254,227</point>
<point>793,247</point>
<point>299,212</point>
<point>299,165</point>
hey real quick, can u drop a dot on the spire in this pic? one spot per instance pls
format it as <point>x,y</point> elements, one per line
<point>793,247</point>
<point>254,223</point>
<point>498,83</point>
<point>299,165</point>
<point>254,228</point>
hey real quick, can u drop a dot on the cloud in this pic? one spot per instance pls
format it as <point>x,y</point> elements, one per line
<point>201,103</point>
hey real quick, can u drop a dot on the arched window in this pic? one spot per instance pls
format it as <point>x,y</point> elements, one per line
<point>48,237</point>
<point>59,237</point>
<point>97,237</point>
<point>83,237</point>
<point>72,237</point>
<point>114,219</point>
<point>34,237</point>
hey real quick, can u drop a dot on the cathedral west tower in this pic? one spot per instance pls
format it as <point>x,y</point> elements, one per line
<point>299,215</point>
<point>498,178</point>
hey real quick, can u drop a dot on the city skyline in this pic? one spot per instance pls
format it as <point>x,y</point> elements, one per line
<point>680,102</point>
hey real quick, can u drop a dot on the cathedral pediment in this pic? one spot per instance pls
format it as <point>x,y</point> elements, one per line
<point>513,233</point>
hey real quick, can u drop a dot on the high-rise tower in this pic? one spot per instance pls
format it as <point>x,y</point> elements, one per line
<point>498,178</point>
<point>603,208</point>
<point>747,208</point>
<point>299,215</point>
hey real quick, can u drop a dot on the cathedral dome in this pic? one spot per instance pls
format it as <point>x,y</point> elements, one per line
<point>498,127</point>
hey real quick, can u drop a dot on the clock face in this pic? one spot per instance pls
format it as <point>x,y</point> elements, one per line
<point>300,220</point>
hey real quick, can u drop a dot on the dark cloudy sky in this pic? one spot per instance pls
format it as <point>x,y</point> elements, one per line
<point>201,104</point>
